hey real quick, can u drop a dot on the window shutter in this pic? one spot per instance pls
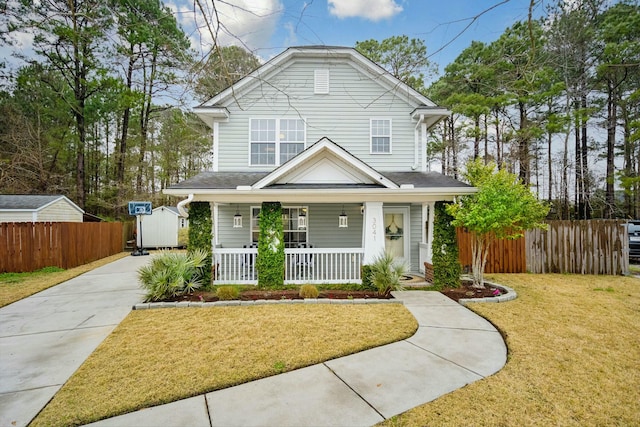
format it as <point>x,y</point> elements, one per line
<point>321,82</point>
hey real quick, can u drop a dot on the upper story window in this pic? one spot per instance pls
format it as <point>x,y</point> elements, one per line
<point>381,136</point>
<point>274,141</point>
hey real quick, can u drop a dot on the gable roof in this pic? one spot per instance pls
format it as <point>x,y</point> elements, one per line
<point>337,166</point>
<point>23,202</point>
<point>215,108</point>
<point>321,172</point>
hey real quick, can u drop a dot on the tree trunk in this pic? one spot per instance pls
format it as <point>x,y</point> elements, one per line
<point>612,112</point>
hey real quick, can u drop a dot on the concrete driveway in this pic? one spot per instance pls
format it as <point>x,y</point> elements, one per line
<point>44,338</point>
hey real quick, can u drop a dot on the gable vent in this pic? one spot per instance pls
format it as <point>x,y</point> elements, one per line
<point>321,81</point>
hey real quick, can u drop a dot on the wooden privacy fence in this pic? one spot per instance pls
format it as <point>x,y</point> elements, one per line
<point>26,246</point>
<point>505,256</point>
<point>581,247</point>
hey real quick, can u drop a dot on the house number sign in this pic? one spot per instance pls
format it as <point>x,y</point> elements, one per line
<point>374,228</point>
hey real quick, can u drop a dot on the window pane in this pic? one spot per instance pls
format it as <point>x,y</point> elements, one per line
<point>263,140</point>
<point>263,154</point>
<point>288,150</point>
<point>292,130</point>
<point>380,145</point>
<point>380,136</point>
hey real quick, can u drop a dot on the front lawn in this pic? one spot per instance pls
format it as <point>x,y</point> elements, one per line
<point>159,356</point>
<point>574,352</point>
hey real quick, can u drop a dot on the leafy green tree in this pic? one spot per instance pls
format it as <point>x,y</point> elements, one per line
<point>70,36</point>
<point>619,35</point>
<point>153,48</point>
<point>406,59</point>
<point>503,208</point>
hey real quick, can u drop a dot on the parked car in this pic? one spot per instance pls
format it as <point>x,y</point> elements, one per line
<point>633,228</point>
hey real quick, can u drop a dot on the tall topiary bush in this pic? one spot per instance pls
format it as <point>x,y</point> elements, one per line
<point>271,259</point>
<point>200,237</point>
<point>446,265</point>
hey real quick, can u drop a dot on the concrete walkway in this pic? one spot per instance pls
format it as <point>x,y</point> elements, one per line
<point>45,338</point>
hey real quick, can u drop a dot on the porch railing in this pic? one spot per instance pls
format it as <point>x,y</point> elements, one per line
<point>302,265</point>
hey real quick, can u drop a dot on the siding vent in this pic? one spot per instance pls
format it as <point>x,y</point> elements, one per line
<point>321,82</point>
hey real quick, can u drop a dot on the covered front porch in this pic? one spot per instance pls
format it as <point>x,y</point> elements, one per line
<point>338,214</point>
<point>325,243</point>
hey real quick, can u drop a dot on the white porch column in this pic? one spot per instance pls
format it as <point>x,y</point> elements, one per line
<point>214,229</point>
<point>431,207</point>
<point>373,233</point>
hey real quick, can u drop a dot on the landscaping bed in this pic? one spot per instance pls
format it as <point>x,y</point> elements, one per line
<point>466,290</point>
<point>283,294</point>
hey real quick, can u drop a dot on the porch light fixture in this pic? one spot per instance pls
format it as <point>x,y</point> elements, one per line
<point>343,219</point>
<point>302,218</point>
<point>237,218</point>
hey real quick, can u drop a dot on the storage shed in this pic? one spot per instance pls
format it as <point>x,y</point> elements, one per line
<point>31,208</point>
<point>161,229</point>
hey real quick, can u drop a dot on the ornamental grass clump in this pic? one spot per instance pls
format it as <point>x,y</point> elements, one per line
<point>386,272</point>
<point>308,291</point>
<point>227,293</point>
<point>172,274</point>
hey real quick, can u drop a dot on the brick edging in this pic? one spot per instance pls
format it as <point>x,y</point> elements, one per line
<point>235,303</point>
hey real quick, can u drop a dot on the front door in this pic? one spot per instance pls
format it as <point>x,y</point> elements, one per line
<point>396,232</point>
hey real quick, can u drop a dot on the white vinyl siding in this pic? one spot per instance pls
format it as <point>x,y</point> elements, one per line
<point>275,139</point>
<point>343,115</point>
<point>380,136</point>
<point>322,226</point>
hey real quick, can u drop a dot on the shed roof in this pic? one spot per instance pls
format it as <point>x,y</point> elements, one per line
<point>28,202</point>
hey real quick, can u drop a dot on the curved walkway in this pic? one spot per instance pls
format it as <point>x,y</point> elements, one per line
<point>451,348</point>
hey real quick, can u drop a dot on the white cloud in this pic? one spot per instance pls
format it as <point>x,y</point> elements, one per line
<point>246,23</point>
<point>373,10</point>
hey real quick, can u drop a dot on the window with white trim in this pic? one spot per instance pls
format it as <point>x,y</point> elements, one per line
<point>293,235</point>
<point>275,141</point>
<point>380,136</point>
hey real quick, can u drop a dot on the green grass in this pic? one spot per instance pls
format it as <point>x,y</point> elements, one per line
<point>573,355</point>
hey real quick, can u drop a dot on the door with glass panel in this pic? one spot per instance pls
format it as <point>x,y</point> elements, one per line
<point>396,232</point>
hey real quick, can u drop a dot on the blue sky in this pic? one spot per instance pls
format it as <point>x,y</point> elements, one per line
<point>267,27</point>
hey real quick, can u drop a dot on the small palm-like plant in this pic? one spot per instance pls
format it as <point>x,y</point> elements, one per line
<point>386,272</point>
<point>172,274</point>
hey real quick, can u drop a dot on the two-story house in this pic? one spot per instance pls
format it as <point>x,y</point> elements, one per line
<point>341,144</point>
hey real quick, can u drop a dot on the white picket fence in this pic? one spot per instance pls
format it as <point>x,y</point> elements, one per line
<point>236,266</point>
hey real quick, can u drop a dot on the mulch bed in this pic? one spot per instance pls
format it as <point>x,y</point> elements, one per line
<point>253,295</point>
<point>466,290</point>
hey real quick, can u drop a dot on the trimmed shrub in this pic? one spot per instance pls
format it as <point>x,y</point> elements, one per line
<point>172,274</point>
<point>200,236</point>
<point>386,273</point>
<point>308,291</point>
<point>227,293</point>
<point>365,275</point>
<point>271,258</point>
<point>446,265</point>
